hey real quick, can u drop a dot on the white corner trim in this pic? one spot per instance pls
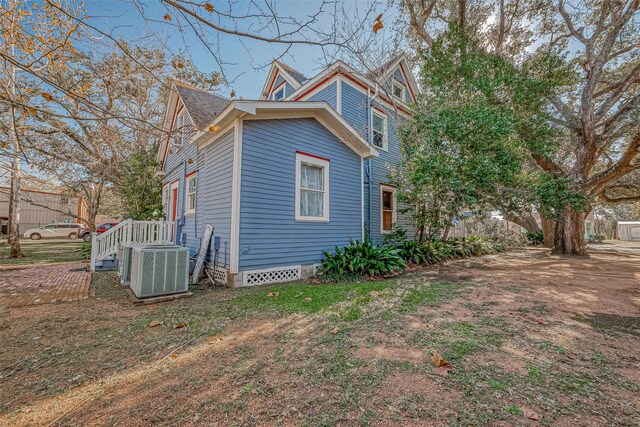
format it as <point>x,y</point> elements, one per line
<point>235,196</point>
<point>339,94</point>
<point>392,189</point>
<point>362,194</point>
<point>324,164</point>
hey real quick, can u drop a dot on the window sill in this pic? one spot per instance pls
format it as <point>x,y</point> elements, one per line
<point>190,213</point>
<point>325,220</point>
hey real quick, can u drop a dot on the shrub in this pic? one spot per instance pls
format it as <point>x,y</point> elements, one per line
<point>396,237</point>
<point>535,237</point>
<point>362,259</point>
<point>431,252</point>
<point>85,250</point>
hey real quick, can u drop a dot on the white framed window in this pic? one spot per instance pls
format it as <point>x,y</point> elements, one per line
<point>379,130</point>
<point>312,188</point>
<point>279,94</point>
<point>192,187</point>
<point>387,208</point>
<point>178,130</point>
<point>398,90</point>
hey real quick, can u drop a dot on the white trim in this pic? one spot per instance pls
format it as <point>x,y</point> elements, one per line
<point>385,131</point>
<point>235,196</point>
<point>188,179</point>
<point>362,194</point>
<point>396,84</point>
<point>272,275</point>
<point>341,66</point>
<point>339,94</point>
<point>392,190</point>
<point>324,164</point>
<point>322,110</point>
<point>166,200</point>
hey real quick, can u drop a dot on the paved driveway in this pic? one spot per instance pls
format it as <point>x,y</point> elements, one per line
<point>44,284</point>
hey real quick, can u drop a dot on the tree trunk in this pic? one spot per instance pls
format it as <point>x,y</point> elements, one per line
<point>447,229</point>
<point>548,230</point>
<point>14,196</point>
<point>569,233</point>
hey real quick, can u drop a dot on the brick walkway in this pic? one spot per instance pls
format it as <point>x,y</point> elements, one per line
<point>44,284</point>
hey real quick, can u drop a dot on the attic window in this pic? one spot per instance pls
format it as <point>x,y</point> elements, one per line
<point>177,130</point>
<point>278,95</point>
<point>398,90</point>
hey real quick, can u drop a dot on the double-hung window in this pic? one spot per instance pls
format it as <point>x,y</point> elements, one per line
<point>312,188</point>
<point>388,208</point>
<point>379,130</point>
<point>192,186</point>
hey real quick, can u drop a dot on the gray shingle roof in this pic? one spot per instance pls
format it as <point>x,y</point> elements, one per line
<point>301,78</point>
<point>202,106</point>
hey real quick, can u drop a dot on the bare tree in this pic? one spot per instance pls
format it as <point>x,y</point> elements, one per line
<point>42,38</point>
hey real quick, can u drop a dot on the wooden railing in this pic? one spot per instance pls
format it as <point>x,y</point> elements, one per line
<point>128,231</point>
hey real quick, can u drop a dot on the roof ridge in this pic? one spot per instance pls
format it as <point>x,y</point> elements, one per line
<point>285,65</point>
<point>190,86</point>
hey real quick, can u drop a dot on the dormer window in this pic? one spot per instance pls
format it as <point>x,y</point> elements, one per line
<point>278,95</point>
<point>398,91</point>
<point>177,131</point>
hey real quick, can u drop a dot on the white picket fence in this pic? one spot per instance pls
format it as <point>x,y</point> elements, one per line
<point>129,231</point>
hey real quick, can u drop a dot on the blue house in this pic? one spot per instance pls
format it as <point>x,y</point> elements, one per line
<point>302,169</point>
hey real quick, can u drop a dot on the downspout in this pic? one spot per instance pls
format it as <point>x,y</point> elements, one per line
<point>370,100</point>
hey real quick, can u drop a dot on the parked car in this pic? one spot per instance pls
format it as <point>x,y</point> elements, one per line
<point>85,234</point>
<point>51,231</point>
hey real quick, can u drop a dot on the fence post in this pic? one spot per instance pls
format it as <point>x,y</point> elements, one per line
<point>94,250</point>
<point>129,237</point>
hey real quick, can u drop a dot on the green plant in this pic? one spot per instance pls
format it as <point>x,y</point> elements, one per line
<point>85,250</point>
<point>363,259</point>
<point>596,238</point>
<point>431,252</point>
<point>535,237</point>
<point>396,237</point>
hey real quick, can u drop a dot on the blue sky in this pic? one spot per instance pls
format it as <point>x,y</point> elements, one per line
<point>245,59</point>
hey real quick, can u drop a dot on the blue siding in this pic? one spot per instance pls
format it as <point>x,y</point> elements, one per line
<point>354,108</point>
<point>213,207</point>
<point>176,168</point>
<point>398,75</point>
<point>269,234</point>
<point>355,111</point>
<point>328,94</point>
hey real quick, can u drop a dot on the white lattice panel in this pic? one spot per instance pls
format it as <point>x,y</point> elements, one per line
<point>271,275</point>
<point>220,275</point>
<point>315,269</point>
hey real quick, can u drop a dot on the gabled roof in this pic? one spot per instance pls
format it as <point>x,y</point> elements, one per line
<point>384,68</point>
<point>293,77</point>
<point>319,110</point>
<point>201,105</point>
<point>297,75</point>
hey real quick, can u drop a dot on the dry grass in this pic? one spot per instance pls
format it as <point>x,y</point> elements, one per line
<point>555,343</point>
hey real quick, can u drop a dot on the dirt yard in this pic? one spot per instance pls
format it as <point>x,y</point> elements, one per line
<point>530,340</point>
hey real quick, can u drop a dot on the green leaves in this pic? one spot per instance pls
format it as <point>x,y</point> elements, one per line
<point>363,259</point>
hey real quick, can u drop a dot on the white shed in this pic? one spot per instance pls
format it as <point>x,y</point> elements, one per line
<point>629,230</point>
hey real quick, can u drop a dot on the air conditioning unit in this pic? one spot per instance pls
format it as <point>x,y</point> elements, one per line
<point>159,270</point>
<point>124,258</point>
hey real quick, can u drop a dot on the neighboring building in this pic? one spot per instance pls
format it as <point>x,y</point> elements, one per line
<point>38,208</point>
<point>301,170</point>
<point>629,230</point>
